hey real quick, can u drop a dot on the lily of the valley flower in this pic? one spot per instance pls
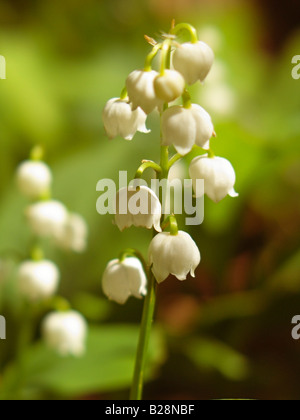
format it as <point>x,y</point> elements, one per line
<point>123,279</point>
<point>73,234</point>
<point>121,120</point>
<point>34,179</point>
<point>185,127</point>
<point>47,218</point>
<point>193,61</point>
<point>38,280</point>
<point>218,174</point>
<point>138,207</point>
<point>177,255</point>
<point>141,93</point>
<point>169,86</point>
<point>65,332</point>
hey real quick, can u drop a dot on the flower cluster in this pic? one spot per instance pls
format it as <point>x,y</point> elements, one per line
<point>186,127</point>
<point>38,278</point>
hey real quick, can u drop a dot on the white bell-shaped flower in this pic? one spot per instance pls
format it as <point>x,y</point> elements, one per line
<point>65,332</point>
<point>123,279</point>
<point>177,255</point>
<point>186,127</point>
<point>47,218</point>
<point>169,86</point>
<point>73,234</point>
<point>193,61</point>
<point>121,120</point>
<point>34,179</point>
<point>141,93</point>
<point>38,280</point>
<point>218,175</point>
<point>138,206</point>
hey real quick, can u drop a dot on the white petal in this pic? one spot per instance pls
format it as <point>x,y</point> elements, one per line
<point>176,255</point>
<point>38,280</point>
<point>147,215</point>
<point>179,129</point>
<point>34,179</point>
<point>65,332</point>
<point>140,88</point>
<point>193,61</point>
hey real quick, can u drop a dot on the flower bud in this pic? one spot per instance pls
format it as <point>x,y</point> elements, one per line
<point>193,61</point>
<point>123,279</point>
<point>120,120</point>
<point>218,174</point>
<point>169,86</point>
<point>34,179</point>
<point>65,332</point>
<point>177,255</point>
<point>140,88</point>
<point>47,218</point>
<point>38,280</point>
<point>138,207</point>
<point>185,127</point>
<point>73,234</point>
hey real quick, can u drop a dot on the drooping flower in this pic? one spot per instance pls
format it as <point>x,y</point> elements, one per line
<point>177,255</point>
<point>65,332</point>
<point>186,127</point>
<point>121,120</point>
<point>138,207</point>
<point>193,61</point>
<point>123,279</point>
<point>169,86</point>
<point>73,234</point>
<point>218,174</point>
<point>141,93</point>
<point>34,179</point>
<point>38,280</point>
<point>47,218</point>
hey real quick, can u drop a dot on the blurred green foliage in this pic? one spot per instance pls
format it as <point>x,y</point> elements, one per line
<point>227,333</point>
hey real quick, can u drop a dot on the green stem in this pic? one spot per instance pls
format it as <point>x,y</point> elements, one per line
<point>186,26</point>
<point>174,159</point>
<point>124,94</point>
<point>147,165</point>
<point>149,309</point>
<point>165,56</point>
<point>151,56</point>
<point>141,357</point>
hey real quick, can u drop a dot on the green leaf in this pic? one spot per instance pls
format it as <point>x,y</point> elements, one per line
<point>107,365</point>
<point>215,355</point>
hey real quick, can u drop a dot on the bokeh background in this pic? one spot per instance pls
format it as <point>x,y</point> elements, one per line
<point>225,334</point>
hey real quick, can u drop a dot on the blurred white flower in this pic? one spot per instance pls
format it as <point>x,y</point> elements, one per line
<point>73,234</point>
<point>141,93</point>
<point>218,96</point>
<point>212,36</point>
<point>65,332</point>
<point>218,174</point>
<point>47,218</point>
<point>38,280</point>
<point>169,86</point>
<point>138,207</point>
<point>220,99</point>
<point>193,61</point>
<point>120,120</point>
<point>177,255</point>
<point>123,279</point>
<point>34,179</point>
<point>185,127</point>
